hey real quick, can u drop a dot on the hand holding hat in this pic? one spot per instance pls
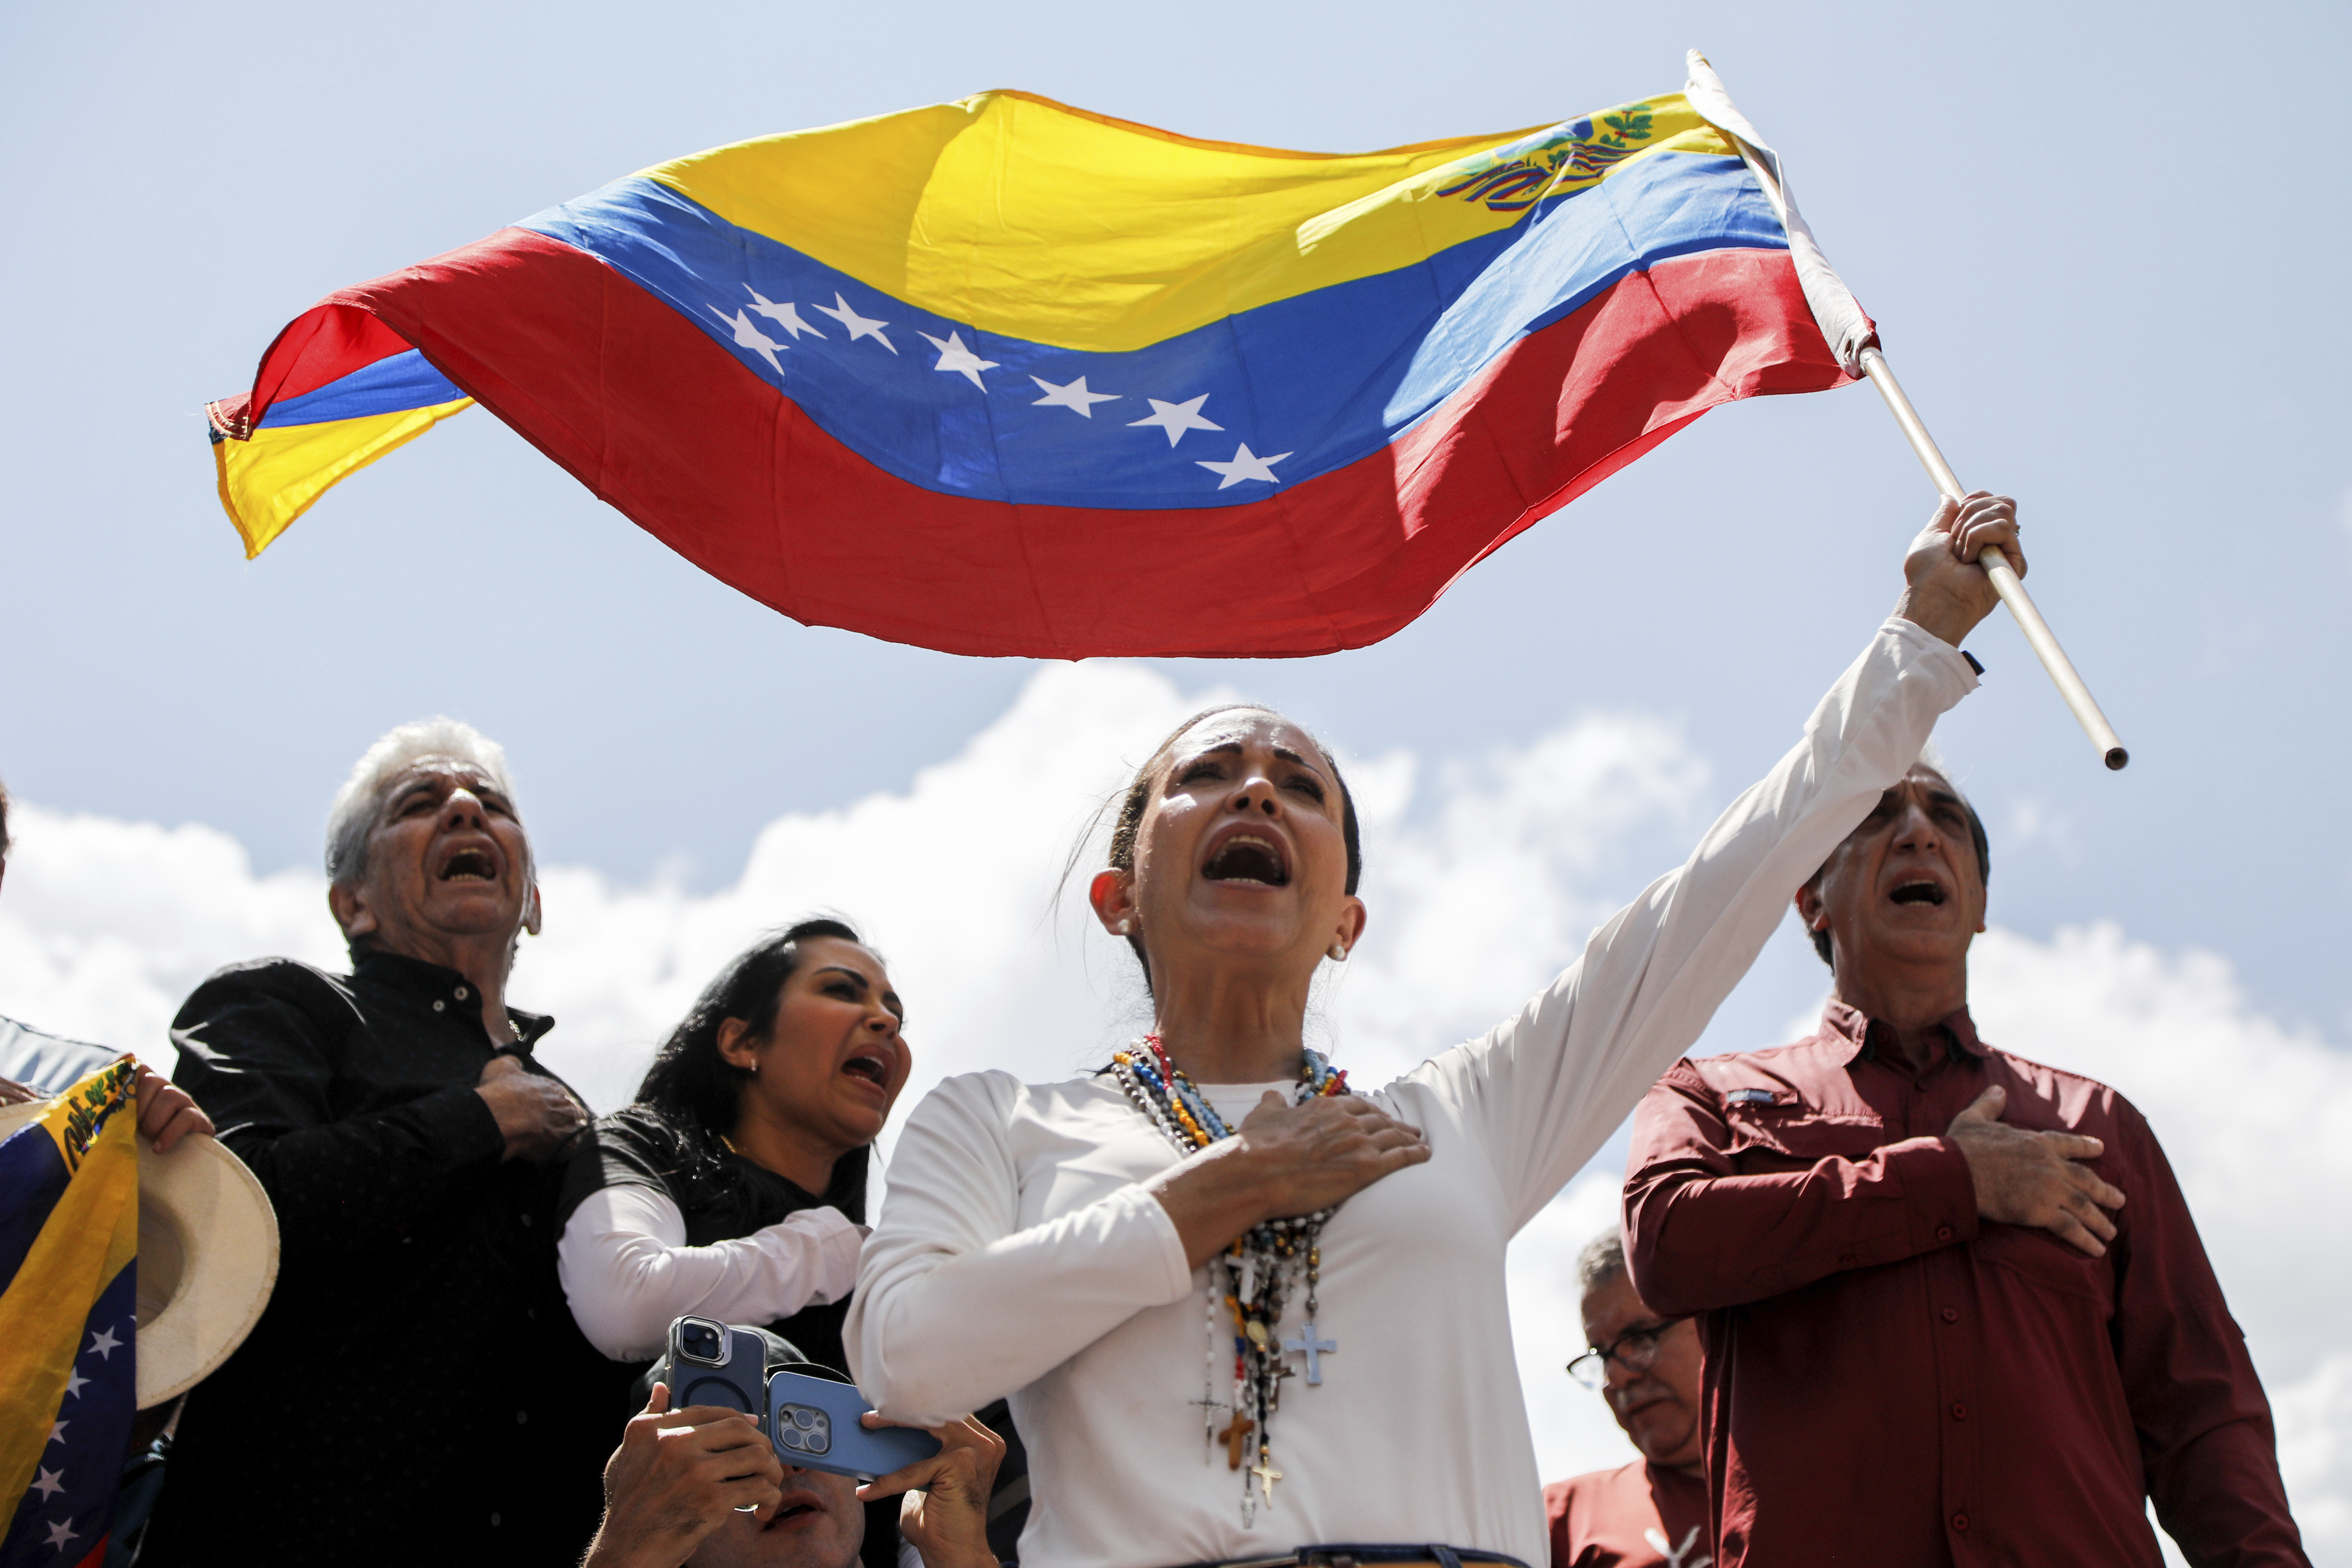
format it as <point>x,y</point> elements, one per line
<point>207,1240</point>
<point>167,1112</point>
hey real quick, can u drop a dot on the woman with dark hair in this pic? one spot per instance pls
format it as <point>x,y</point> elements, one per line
<point>735,1187</point>
<point>1239,1306</point>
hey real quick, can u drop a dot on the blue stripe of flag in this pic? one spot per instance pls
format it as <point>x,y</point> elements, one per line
<point>1329,377</point>
<point>393,385</point>
<point>32,1178</point>
<point>69,1508</point>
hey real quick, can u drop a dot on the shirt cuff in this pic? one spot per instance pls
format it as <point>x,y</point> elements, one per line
<point>836,1241</point>
<point>462,1123</point>
<point>1921,645</point>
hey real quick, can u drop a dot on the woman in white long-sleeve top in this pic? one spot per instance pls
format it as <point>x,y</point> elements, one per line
<point>1208,1360</point>
<point>735,1187</point>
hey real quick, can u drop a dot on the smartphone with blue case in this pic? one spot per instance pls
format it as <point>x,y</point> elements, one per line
<point>815,1424</point>
<point>711,1363</point>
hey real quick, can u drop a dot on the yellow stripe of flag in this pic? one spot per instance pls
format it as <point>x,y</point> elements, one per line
<point>88,1235</point>
<point>1028,217</point>
<point>275,477</point>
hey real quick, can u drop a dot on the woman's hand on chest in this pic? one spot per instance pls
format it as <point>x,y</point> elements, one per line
<point>1287,1160</point>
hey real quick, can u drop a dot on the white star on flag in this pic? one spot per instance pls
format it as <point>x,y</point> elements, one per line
<point>60,1532</point>
<point>1075,396</point>
<point>1247,465</point>
<point>1177,417</point>
<point>859,326</point>
<point>50,1482</point>
<point>57,1431</point>
<point>73,1381</point>
<point>104,1343</point>
<point>750,337</point>
<point>786,315</point>
<point>955,357</point>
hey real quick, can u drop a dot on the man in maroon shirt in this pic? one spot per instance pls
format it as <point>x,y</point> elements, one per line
<point>1953,1305</point>
<point>1650,1513</point>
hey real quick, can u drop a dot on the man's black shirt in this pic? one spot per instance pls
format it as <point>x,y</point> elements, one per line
<point>416,1391</point>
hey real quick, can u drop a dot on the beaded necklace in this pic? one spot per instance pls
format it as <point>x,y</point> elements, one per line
<point>1251,1279</point>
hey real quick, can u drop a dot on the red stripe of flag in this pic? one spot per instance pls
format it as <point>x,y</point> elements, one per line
<point>658,420</point>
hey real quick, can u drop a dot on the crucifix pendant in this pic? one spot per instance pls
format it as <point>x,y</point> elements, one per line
<point>1313,1348</point>
<point>1209,1408</point>
<point>1235,1437</point>
<point>1266,1475</point>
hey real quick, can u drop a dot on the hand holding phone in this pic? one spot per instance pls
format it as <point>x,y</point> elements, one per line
<point>946,1512</point>
<point>675,1478</point>
<point>812,1418</point>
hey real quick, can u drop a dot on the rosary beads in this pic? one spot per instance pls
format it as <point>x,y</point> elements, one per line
<point>1251,1279</point>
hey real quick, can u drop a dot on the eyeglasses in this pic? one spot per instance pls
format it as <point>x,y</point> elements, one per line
<point>1635,1350</point>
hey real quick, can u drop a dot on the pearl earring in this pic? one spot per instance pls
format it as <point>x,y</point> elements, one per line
<point>1339,952</point>
<point>1125,927</point>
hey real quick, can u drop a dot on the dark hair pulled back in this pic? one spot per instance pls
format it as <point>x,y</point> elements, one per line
<point>695,1087</point>
<point>1137,796</point>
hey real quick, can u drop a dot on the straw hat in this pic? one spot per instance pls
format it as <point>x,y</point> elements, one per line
<point>208,1257</point>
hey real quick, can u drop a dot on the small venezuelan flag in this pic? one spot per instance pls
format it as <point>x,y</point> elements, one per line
<point>68,1245</point>
<point>1001,377</point>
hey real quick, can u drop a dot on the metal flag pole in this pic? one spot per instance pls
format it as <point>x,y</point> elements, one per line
<point>1842,322</point>
<point>2005,582</point>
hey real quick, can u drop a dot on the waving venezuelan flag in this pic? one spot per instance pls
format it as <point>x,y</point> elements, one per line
<point>69,1255</point>
<point>1003,376</point>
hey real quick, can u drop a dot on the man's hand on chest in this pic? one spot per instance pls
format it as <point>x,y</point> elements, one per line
<point>2035,1178</point>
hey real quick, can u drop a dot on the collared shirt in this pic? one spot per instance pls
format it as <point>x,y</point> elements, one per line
<point>1889,1379</point>
<point>1638,1516</point>
<point>416,1390</point>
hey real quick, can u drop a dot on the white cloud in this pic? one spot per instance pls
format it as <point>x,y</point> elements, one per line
<point>2250,1112</point>
<point>1574,1431</point>
<point>2314,1428</point>
<point>2035,827</point>
<point>106,925</point>
<point>1481,874</point>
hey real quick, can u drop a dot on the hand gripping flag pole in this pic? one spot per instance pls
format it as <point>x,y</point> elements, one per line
<point>1854,340</point>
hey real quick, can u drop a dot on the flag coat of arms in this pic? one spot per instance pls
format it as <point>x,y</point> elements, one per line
<point>68,1246</point>
<point>1003,376</point>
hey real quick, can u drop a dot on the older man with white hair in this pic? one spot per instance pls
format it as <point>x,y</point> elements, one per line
<point>416,1390</point>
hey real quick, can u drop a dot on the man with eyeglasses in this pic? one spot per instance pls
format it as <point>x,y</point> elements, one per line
<point>1954,1307</point>
<point>1650,1513</point>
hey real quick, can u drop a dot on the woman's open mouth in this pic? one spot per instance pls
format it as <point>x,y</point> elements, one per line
<point>1248,857</point>
<point>872,1069</point>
